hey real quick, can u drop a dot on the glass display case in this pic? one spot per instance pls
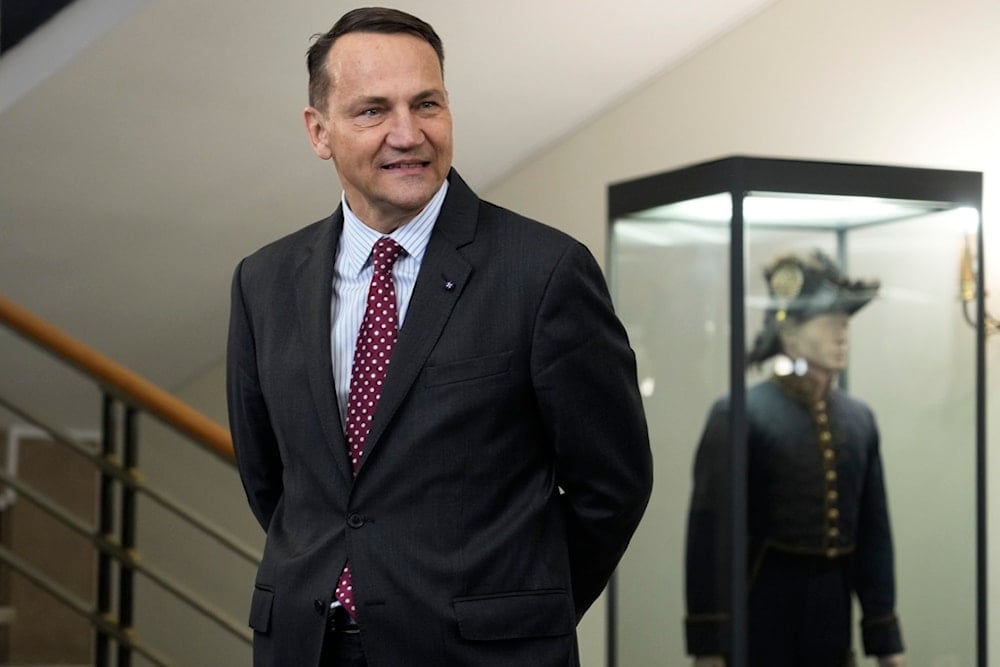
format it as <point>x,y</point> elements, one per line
<point>687,255</point>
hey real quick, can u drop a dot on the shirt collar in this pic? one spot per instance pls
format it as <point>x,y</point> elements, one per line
<point>358,238</point>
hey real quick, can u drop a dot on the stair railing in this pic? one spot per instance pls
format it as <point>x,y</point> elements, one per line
<point>125,396</point>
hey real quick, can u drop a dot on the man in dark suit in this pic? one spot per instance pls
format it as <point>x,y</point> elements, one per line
<point>475,515</point>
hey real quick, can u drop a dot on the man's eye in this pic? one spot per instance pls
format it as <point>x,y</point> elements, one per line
<point>428,108</point>
<point>370,113</point>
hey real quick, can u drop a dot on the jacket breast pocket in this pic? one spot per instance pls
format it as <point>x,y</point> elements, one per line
<point>260,609</point>
<point>467,369</point>
<point>515,615</point>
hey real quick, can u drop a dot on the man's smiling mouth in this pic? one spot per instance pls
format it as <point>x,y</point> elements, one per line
<point>407,165</point>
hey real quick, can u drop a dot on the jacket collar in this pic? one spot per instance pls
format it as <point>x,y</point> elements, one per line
<point>444,273</point>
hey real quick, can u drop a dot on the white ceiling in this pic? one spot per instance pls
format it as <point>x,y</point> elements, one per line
<point>134,177</point>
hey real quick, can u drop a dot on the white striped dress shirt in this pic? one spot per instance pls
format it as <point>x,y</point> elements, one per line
<point>352,272</point>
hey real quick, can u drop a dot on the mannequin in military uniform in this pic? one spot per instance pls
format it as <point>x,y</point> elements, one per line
<point>817,519</point>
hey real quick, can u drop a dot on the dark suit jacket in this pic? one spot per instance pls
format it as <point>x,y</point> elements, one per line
<point>788,506</point>
<point>506,469</point>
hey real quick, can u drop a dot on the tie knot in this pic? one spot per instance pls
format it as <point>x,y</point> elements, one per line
<point>385,252</point>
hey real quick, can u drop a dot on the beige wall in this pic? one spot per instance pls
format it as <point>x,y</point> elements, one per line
<point>885,81</point>
<point>909,82</point>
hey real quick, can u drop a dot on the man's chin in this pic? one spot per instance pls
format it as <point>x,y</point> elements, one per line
<point>412,192</point>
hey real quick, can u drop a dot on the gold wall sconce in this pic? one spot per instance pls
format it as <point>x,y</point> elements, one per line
<point>968,279</point>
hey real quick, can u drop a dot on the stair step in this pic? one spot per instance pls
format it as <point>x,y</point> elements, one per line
<point>7,615</point>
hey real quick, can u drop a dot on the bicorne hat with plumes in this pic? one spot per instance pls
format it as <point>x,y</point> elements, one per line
<point>801,287</point>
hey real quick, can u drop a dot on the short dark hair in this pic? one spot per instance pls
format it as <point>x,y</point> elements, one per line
<point>364,19</point>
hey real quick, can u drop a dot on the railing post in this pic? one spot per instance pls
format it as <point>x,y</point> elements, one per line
<point>126,582</point>
<point>106,525</point>
<point>114,534</point>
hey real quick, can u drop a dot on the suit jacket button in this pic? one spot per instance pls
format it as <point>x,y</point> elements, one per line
<point>320,607</point>
<point>355,520</point>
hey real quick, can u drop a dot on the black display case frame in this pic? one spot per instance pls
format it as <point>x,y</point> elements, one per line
<point>739,176</point>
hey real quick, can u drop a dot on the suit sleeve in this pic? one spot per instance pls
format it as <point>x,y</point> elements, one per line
<point>874,561</point>
<point>706,578</point>
<point>257,455</point>
<point>585,379</point>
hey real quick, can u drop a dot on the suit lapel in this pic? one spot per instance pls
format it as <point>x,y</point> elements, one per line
<point>313,294</point>
<point>444,273</point>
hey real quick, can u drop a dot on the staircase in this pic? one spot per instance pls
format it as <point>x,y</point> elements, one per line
<point>135,534</point>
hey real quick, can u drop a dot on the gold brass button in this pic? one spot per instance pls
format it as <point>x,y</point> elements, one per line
<point>831,475</point>
<point>831,553</point>
<point>833,533</point>
<point>831,496</point>
<point>821,419</point>
<point>820,406</point>
<point>834,514</point>
<point>825,437</point>
<point>828,454</point>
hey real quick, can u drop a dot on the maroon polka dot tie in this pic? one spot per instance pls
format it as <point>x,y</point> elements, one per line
<point>376,339</point>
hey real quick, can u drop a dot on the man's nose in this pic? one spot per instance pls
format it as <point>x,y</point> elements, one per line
<point>404,131</point>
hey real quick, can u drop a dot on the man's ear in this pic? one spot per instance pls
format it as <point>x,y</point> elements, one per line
<point>319,134</point>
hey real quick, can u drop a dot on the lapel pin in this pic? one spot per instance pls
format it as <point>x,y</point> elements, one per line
<point>449,285</point>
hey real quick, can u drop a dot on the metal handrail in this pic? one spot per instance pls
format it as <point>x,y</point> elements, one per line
<point>118,379</point>
<point>110,466</point>
<point>127,557</point>
<point>73,602</point>
<point>114,537</point>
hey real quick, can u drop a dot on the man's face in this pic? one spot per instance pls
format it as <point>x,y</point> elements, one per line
<point>820,340</point>
<point>387,125</point>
